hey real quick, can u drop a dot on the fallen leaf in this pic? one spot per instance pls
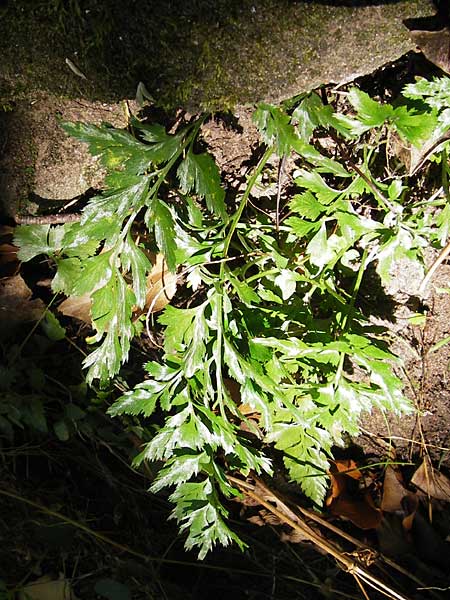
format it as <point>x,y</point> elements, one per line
<point>391,537</point>
<point>8,253</point>
<point>393,491</point>
<point>161,286</point>
<point>340,470</point>
<point>345,499</point>
<point>78,307</point>
<point>347,467</point>
<point>9,263</point>
<point>410,506</point>
<point>46,588</point>
<point>431,481</point>
<point>360,511</point>
<point>112,590</point>
<point>338,487</point>
<point>234,389</point>
<point>16,304</point>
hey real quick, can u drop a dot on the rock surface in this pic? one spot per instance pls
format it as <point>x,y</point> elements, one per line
<point>40,160</point>
<point>200,54</point>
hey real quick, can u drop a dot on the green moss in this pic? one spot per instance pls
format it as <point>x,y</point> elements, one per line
<point>202,53</point>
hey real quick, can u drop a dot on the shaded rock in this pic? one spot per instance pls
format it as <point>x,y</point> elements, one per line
<point>40,160</point>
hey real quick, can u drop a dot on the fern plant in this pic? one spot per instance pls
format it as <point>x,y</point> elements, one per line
<point>275,352</point>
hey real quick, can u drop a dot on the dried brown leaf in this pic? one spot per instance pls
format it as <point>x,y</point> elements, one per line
<point>8,254</point>
<point>161,286</point>
<point>340,471</point>
<point>360,511</point>
<point>410,505</point>
<point>46,588</point>
<point>294,537</point>
<point>78,307</point>
<point>16,303</point>
<point>431,481</point>
<point>393,491</point>
<point>347,467</point>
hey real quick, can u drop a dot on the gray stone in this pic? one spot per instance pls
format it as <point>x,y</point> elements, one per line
<point>275,50</point>
<point>40,159</point>
<point>209,54</point>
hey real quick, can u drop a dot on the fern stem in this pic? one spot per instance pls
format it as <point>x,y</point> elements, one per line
<point>220,285</point>
<point>347,319</point>
<point>238,214</point>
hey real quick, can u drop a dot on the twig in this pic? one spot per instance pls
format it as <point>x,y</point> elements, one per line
<point>439,260</point>
<point>47,219</point>
<point>281,169</point>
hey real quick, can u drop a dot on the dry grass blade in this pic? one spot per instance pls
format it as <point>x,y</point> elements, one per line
<point>273,503</point>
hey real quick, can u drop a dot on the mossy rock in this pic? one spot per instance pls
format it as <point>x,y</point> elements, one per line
<point>197,54</point>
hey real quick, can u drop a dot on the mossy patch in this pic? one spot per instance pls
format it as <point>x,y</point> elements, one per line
<point>197,54</point>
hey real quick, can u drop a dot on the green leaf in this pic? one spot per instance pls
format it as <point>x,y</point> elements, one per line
<point>194,358</point>
<point>301,228</point>
<point>160,217</point>
<point>354,226</point>
<point>141,400</point>
<point>96,273</point>
<point>287,282</point>
<point>32,240</point>
<point>396,247</point>
<point>116,147</point>
<point>306,462</point>
<point>112,590</point>
<point>312,181</point>
<point>52,327</point>
<point>134,258</point>
<point>370,112</point>
<point>319,250</point>
<point>178,322</point>
<point>61,430</point>
<point>113,206</point>
<point>233,361</point>
<point>199,172</point>
<point>180,469</point>
<point>312,113</point>
<point>306,206</point>
<point>201,514</point>
<point>275,127</point>
<point>111,311</point>
<point>163,145</point>
<point>316,158</point>
<point>435,93</point>
<point>307,115</point>
<point>69,271</point>
<point>246,293</point>
<point>443,224</point>
<point>415,127</point>
<point>395,189</point>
